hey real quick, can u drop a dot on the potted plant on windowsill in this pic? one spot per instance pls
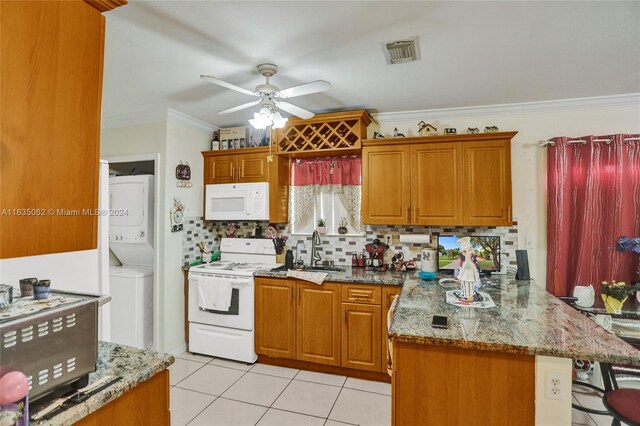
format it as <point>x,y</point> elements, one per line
<point>322,226</point>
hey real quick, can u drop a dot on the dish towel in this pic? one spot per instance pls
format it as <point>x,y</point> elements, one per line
<point>214,293</point>
<point>314,277</point>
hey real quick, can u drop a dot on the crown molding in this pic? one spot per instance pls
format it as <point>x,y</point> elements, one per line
<point>158,116</point>
<point>186,120</point>
<point>505,109</point>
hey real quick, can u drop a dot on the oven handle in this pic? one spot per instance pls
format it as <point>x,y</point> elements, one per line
<point>235,280</point>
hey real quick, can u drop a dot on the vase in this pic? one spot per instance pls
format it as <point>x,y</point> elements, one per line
<point>322,229</point>
<point>613,306</point>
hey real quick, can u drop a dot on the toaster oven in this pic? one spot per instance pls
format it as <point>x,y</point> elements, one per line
<point>54,342</point>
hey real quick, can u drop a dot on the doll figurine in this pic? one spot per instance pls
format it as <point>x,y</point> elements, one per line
<point>469,271</point>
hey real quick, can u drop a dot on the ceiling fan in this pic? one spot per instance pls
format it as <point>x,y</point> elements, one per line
<point>270,96</point>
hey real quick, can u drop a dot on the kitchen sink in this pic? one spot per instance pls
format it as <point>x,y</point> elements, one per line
<point>312,268</point>
<point>322,268</point>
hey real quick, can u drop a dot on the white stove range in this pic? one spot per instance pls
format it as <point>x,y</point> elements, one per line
<point>228,333</point>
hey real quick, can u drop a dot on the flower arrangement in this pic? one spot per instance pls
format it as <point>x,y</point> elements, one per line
<point>618,291</point>
<point>615,294</point>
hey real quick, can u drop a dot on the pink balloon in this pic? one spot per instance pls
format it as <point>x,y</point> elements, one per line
<point>13,387</point>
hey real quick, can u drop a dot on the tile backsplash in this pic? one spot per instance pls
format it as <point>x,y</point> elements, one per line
<point>339,248</point>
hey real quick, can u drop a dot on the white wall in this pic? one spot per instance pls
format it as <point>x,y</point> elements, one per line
<point>183,144</point>
<point>179,138</point>
<point>534,122</point>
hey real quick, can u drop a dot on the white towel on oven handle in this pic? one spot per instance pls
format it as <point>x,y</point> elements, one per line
<point>214,293</point>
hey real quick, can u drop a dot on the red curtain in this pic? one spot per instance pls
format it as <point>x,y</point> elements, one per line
<point>342,171</point>
<point>593,198</point>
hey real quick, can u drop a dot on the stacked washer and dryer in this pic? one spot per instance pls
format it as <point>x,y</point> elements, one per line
<point>131,201</point>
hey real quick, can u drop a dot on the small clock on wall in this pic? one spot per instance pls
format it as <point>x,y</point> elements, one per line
<point>183,175</point>
<point>177,215</point>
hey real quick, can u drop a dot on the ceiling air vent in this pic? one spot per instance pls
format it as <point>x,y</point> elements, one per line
<point>401,51</point>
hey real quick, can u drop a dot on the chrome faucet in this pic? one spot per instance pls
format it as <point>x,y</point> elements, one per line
<point>315,256</point>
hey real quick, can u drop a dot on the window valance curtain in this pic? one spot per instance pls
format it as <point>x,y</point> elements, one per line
<point>593,199</point>
<point>309,177</point>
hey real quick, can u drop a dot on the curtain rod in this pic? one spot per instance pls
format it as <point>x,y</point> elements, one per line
<point>584,142</point>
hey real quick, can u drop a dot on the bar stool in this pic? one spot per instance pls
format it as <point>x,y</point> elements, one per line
<point>623,403</point>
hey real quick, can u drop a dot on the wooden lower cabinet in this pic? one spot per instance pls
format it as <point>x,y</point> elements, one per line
<point>146,404</point>
<point>388,294</point>
<point>341,327</point>
<point>318,323</point>
<point>275,318</point>
<point>361,337</point>
<point>442,386</point>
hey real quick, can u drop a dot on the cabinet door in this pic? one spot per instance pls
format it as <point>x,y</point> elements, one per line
<point>252,168</point>
<point>52,55</point>
<point>386,185</point>
<point>220,169</point>
<point>275,318</point>
<point>487,183</point>
<point>436,185</point>
<point>318,323</point>
<point>361,337</point>
<point>279,189</point>
<point>388,294</point>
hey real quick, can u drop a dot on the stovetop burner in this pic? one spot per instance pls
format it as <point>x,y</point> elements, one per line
<point>219,265</point>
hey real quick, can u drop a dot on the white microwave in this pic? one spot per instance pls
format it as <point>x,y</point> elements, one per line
<point>237,201</point>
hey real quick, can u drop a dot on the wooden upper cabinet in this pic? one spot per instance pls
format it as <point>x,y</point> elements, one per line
<point>386,191</point>
<point>235,166</point>
<point>253,168</point>
<point>438,180</point>
<point>437,184</point>
<point>51,90</point>
<point>361,338</point>
<point>487,183</point>
<point>275,318</point>
<point>220,169</point>
<point>318,323</point>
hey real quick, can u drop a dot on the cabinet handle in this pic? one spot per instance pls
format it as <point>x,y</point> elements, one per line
<point>345,319</point>
<point>233,174</point>
<point>408,214</point>
<point>509,214</point>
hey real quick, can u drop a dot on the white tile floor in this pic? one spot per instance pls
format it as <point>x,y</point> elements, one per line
<point>589,398</point>
<point>208,391</point>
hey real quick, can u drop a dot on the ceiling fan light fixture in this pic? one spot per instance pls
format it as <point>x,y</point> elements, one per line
<point>278,120</point>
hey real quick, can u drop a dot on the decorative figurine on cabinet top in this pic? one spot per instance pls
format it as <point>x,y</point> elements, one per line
<point>491,129</point>
<point>426,129</point>
<point>397,134</point>
<point>377,135</point>
<point>450,131</point>
<point>473,130</point>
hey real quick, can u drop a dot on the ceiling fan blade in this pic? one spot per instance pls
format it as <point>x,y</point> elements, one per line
<point>239,107</point>
<point>304,89</point>
<point>222,83</point>
<point>295,110</point>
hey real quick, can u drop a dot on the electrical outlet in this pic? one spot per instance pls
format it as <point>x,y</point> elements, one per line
<point>387,239</point>
<point>554,386</point>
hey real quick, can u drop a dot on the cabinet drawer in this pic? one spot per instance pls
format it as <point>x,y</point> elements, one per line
<point>361,294</point>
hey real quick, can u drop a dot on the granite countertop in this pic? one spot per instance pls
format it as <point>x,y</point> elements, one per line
<point>527,319</point>
<point>134,366</point>
<point>372,276</point>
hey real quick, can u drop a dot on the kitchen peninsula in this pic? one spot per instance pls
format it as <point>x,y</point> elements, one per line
<point>482,369</point>
<point>489,365</point>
